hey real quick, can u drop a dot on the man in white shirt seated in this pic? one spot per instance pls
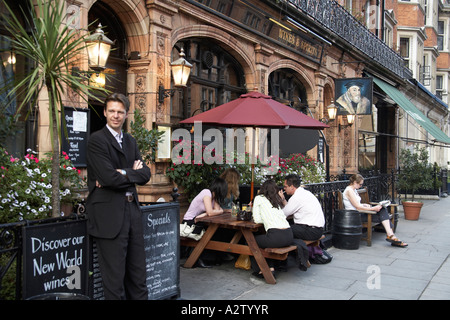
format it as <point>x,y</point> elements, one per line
<point>306,209</point>
<point>307,213</point>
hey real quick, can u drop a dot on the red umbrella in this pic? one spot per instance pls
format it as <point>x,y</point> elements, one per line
<point>255,109</point>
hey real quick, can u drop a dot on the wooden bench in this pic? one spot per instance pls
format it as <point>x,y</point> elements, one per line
<point>369,224</point>
<point>233,247</point>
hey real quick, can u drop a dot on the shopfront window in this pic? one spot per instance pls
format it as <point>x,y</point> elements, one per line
<point>367,148</point>
<point>15,136</point>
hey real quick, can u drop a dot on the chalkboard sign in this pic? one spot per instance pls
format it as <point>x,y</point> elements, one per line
<point>55,258</point>
<point>161,222</point>
<point>162,242</point>
<point>75,144</point>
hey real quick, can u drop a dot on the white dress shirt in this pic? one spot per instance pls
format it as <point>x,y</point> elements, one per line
<point>306,208</point>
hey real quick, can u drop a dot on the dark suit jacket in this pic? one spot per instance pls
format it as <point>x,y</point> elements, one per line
<point>105,205</point>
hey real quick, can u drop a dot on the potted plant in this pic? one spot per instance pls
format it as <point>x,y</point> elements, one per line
<point>415,173</point>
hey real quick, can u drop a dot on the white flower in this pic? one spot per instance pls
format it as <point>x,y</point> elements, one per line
<point>27,191</point>
<point>43,175</point>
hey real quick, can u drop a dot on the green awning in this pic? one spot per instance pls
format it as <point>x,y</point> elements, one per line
<point>412,110</point>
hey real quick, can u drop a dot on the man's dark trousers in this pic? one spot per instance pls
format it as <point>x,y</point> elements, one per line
<point>122,259</point>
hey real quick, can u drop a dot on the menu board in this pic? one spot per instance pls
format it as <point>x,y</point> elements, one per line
<point>75,143</point>
<point>162,242</point>
<point>161,222</point>
<point>55,258</point>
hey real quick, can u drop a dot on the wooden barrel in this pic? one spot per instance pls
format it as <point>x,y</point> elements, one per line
<point>346,229</point>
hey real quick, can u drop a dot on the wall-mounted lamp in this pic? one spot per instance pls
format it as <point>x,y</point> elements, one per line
<point>98,48</point>
<point>332,113</point>
<point>12,58</point>
<point>181,70</point>
<point>350,121</point>
<point>97,80</point>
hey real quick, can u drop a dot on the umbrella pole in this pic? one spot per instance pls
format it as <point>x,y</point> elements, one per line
<point>252,183</point>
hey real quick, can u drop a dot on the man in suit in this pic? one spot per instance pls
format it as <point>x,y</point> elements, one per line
<point>114,166</point>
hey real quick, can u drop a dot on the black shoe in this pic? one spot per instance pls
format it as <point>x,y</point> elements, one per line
<point>281,268</point>
<point>258,275</point>
<point>302,267</point>
<point>201,264</point>
<point>261,276</point>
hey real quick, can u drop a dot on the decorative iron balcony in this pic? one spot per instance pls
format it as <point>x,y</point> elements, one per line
<point>332,16</point>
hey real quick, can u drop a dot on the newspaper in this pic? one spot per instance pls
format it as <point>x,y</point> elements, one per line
<point>384,203</point>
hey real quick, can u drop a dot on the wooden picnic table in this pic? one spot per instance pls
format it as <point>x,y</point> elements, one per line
<point>243,228</point>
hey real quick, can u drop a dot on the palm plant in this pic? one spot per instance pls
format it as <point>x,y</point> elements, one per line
<point>52,46</point>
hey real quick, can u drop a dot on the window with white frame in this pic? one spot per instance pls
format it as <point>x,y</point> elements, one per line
<point>441,35</point>
<point>405,51</point>
<point>439,86</point>
<point>388,35</point>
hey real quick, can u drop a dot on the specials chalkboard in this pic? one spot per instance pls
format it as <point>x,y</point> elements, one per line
<point>55,258</point>
<point>75,143</point>
<point>162,242</point>
<point>161,222</point>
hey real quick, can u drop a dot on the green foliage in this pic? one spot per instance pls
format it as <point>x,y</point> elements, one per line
<point>309,169</point>
<point>26,186</point>
<point>147,140</point>
<point>415,171</point>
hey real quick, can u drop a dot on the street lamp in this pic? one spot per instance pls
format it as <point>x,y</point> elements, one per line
<point>181,70</point>
<point>98,48</point>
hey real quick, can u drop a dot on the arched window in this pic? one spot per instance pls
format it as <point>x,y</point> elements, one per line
<point>216,77</point>
<point>286,88</point>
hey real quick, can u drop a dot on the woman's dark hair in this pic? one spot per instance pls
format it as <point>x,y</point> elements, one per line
<point>270,190</point>
<point>219,189</point>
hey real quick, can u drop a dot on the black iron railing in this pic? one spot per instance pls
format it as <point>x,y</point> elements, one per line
<point>332,16</point>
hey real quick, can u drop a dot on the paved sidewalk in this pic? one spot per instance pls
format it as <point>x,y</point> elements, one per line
<point>419,272</point>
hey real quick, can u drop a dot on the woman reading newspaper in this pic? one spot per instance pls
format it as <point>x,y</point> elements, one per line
<point>352,201</point>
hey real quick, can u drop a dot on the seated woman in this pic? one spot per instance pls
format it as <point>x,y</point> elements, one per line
<point>231,176</point>
<point>352,201</point>
<point>207,202</point>
<point>267,210</point>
